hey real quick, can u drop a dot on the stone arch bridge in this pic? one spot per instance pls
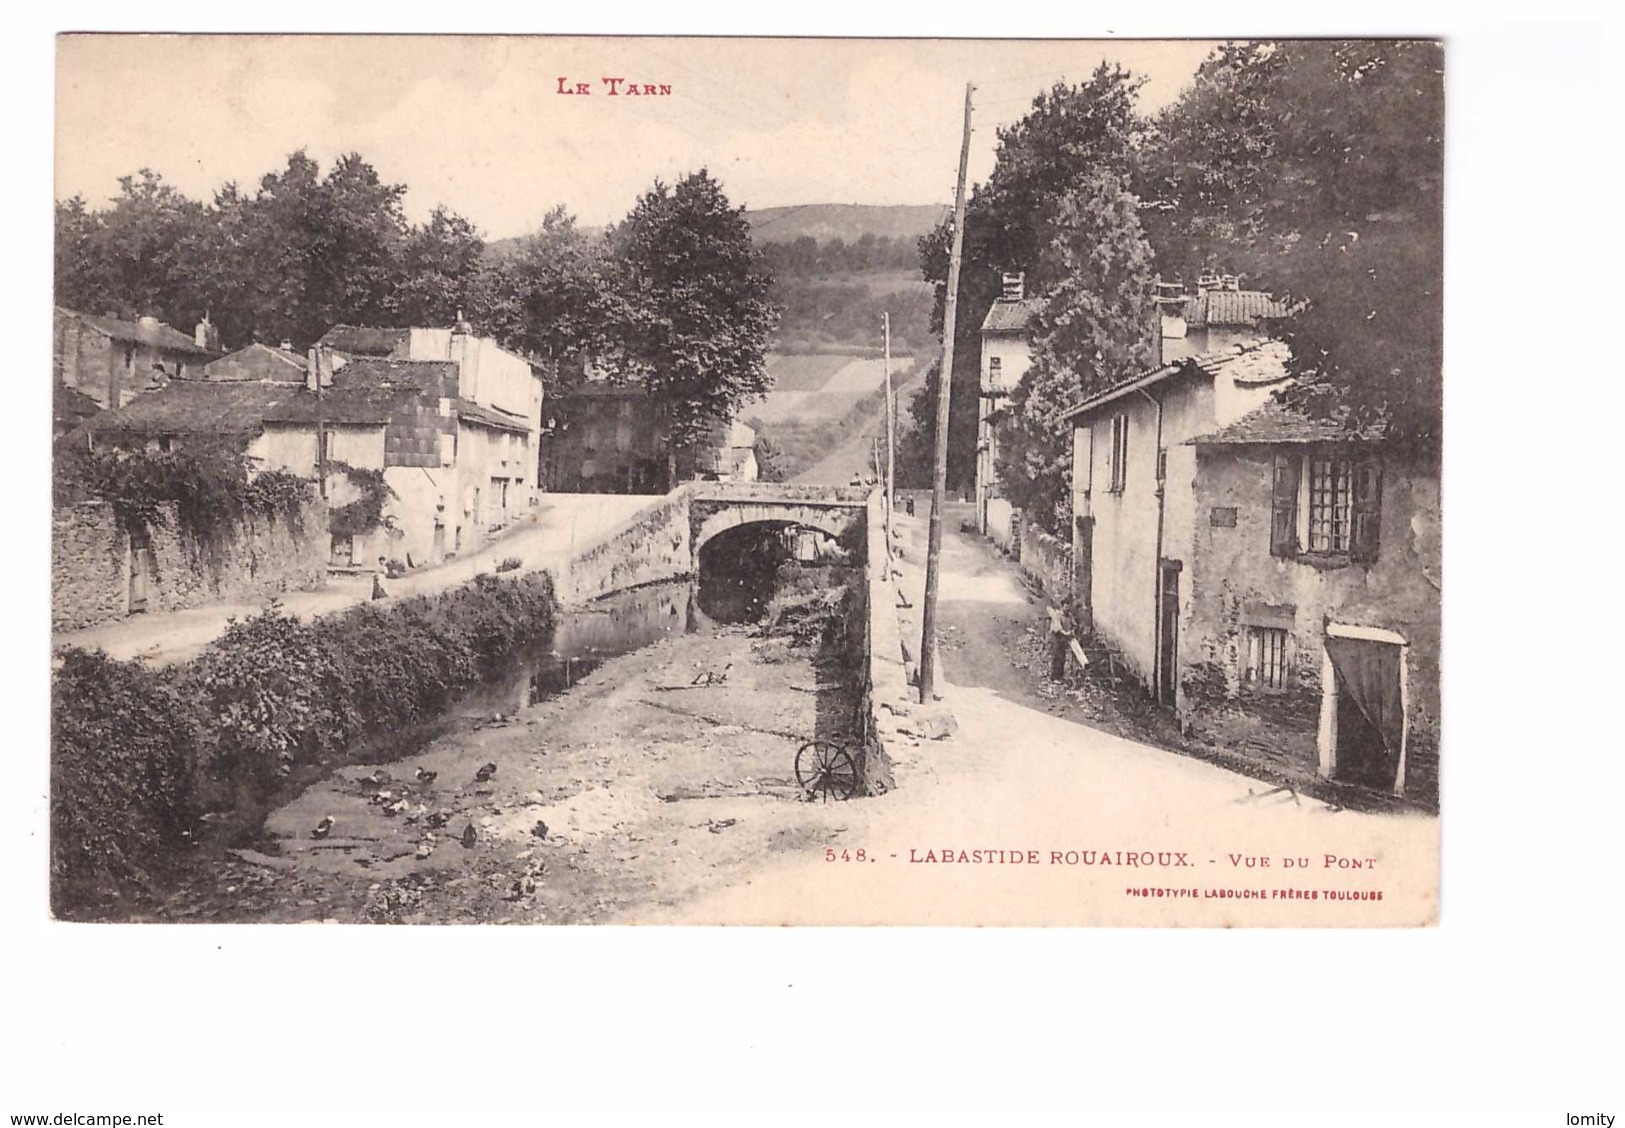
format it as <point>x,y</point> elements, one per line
<point>716,507</point>
<point>663,540</point>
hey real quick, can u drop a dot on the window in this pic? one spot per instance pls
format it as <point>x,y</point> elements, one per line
<point>1266,657</point>
<point>1330,498</point>
<point>1336,517</point>
<point>995,371</point>
<point>1119,454</point>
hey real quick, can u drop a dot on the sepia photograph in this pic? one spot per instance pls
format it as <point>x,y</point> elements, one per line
<point>510,480</point>
<point>914,540</point>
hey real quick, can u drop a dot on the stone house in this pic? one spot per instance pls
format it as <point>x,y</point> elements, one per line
<point>112,361</point>
<point>607,437</point>
<point>460,469</point>
<point>1272,580</point>
<point>1312,616</point>
<point>1006,357</point>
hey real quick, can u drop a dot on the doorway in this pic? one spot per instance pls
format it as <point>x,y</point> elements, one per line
<point>141,571</point>
<point>1168,634</point>
<point>1364,724</point>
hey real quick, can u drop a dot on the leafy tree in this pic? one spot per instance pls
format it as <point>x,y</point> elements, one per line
<point>689,304</point>
<point>1316,167</point>
<point>1092,330</point>
<point>1072,132</point>
<point>439,271</point>
<point>139,256</point>
<point>549,297</point>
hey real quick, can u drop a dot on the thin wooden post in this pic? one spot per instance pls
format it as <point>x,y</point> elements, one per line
<point>939,485</point>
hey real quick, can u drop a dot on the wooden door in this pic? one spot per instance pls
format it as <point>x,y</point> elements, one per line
<point>1168,634</point>
<point>141,569</point>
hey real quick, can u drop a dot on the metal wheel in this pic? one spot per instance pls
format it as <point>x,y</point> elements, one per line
<point>826,771</point>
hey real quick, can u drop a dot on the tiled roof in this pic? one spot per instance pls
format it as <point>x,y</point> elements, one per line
<point>1275,422</point>
<point>1231,308</point>
<point>70,405</point>
<point>191,407</point>
<point>436,377</point>
<point>1249,365</point>
<point>362,340</point>
<point>234,365</point>
<point>1011,316</point>
<point>354,406</point>
<point>157,334</point>
<point>600,389</point>
<point>470,412</point>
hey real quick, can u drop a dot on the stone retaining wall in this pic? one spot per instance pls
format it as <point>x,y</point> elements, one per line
<point>654,544</point>
<point>1048,561</point>
<point>90,565</point>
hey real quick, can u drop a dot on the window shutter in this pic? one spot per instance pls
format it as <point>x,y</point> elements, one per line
<point>1284,506</point>
<point>1367,511</point>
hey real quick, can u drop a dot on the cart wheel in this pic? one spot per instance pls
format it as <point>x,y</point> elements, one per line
<point>826,770</point>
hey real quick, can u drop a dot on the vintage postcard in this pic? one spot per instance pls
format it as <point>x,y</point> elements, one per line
<point>746,481</point>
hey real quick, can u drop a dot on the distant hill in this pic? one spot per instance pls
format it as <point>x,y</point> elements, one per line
<point>824,222</point>
<point>847,222</point>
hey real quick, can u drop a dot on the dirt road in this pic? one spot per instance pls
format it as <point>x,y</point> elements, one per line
<point>1072,802</point>
<point>562,523</point>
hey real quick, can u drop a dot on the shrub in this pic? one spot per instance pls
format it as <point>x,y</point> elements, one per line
<point>125,742</point>
<point>510,564</point>
<point>135,749</point>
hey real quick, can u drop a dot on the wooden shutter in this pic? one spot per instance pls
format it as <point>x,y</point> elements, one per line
<point>1284,505</point>
<point>1367,511</point>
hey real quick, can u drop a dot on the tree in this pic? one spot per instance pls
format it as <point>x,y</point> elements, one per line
<point>1317,168</point>
<point>549,297</point>
<point>140,256</point>
<point>1093,329</point>
<point>689,306</point>
<point>439,271</point>
<point>1071,133</point>
<point>307,251</point>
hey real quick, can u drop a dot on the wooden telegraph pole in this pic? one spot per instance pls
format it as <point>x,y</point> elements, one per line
<point>939,486</point>
<point>891,436</point>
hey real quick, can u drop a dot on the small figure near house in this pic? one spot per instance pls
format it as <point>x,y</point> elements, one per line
<point>1061,633</point>
<point>378,591</point>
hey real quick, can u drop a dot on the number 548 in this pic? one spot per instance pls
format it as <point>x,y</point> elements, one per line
<point>858,855</point>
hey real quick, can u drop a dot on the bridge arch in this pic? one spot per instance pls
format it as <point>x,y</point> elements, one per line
<point>834,521</point>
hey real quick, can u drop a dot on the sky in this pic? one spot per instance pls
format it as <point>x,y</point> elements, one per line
<point>477,123</point>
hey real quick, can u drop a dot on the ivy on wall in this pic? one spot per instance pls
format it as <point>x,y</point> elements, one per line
<point>359,517</point>
<point>207,491</point>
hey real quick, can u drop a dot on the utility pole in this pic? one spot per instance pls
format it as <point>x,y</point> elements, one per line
<point>939,485</point>
<point>321,426</point>
<point>891,436</point>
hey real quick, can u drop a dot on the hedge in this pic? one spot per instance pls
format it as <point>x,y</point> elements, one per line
<point>137,753</point>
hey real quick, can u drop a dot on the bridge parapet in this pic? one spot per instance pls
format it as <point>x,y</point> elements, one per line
<point>782,493</point>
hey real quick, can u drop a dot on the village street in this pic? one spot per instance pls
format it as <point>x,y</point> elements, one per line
<point>636,797</point>
<point>1018,778</point>
<point>563,523</point>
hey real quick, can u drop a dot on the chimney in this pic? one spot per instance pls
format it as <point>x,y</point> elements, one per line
<point>1172,329</point>
<point>287,346</point>
<point>312,371</point>
<point>205,336</point>
<point>1014,287</point>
